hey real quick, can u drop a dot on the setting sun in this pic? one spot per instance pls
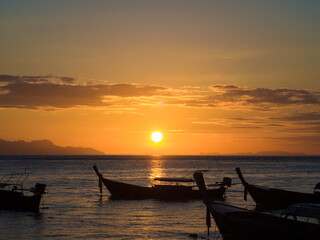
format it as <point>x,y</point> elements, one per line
<point>156,137</point>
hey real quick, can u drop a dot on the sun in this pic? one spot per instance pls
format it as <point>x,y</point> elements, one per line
<point>156,137</point>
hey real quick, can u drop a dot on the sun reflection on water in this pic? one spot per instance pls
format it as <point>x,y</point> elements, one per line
<point>156,168</point>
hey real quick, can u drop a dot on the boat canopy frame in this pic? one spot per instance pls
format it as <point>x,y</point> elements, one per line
<point>9,179</point>
<point>163,179</point>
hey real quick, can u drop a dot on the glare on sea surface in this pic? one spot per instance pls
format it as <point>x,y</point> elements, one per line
<point>156,168</point>
<point>156,137</point>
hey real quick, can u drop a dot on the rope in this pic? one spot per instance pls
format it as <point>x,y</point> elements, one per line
<point>42,200</point>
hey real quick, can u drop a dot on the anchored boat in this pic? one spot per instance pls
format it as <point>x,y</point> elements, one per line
<point>294,223</point>
<point>174,189</point>
<point>14,196</point>
<point>277,198</point>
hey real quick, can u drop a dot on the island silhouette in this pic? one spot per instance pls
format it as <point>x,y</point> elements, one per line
<point>43,147</point>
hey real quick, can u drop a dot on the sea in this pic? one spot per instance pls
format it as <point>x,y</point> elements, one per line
<point>74,209</point>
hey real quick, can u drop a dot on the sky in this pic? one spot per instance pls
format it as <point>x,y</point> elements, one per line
<point>214,77</point>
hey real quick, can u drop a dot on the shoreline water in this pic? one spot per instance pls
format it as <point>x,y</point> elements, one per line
<point>158,157</point>
<point>76,210</point>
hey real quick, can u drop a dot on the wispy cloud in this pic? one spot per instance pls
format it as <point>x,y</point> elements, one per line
<point>302,122</point>
<point>306,139</point>
<point>309,116</point>
<point>243,98</point>
<point>263,98</point>
<point>34,79</point>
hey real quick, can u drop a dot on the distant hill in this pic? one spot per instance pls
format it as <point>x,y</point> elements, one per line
<point>43,147</point>
<point>279,153</point>
<point>262,153</point>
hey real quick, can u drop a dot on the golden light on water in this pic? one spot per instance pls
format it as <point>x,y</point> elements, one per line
<point>156,168</point>
<point>156,137</point>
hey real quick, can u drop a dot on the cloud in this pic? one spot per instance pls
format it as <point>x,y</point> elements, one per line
<point>40,91</point>
<point>67,79</point>
<point>311,116</point>
<point>302,122</point>
<point>51,91</point>
<point>280,96</point>
<point>307,139</point>
<point>34,79</point>
<point>222,87</point>
<point>9,78</point>
<point>233,96</point>
<point>309,121</point>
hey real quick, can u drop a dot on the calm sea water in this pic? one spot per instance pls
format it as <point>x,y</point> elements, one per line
<point>75,209</point>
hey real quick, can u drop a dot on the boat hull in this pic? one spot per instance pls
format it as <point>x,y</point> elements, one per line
<point>120,190</point>
<point>276,198</point>
<point>237,223</point>
<point>271,197</point>
<point>12,200</point>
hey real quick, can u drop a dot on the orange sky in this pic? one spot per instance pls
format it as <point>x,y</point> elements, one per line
<point>212,76</point>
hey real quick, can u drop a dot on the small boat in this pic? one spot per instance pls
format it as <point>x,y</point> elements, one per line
<point>239,223</point>
<point>277,198</point>
<point>13,195</point>
<point>177,190</point>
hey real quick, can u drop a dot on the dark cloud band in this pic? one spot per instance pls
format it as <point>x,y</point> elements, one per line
<point>46,91</point>
<point>38,91</point>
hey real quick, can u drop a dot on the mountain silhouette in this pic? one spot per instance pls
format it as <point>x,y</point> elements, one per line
<point>43,147</point>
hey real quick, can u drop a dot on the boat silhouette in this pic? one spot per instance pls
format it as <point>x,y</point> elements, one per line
<point>174,189</point>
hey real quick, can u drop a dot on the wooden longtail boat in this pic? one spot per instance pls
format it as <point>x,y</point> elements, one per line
<point>277,198</point>
<point>120,190</point>
<point>239,223</point>
<point>13,197</point>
